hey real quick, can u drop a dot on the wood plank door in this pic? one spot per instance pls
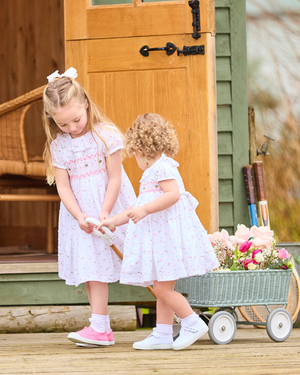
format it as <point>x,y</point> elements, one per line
<point>103,42</point>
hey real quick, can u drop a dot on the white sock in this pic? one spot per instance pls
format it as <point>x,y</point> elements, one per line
<point>190,320</point>
<point>98,322</point>
<point>107,324</point>
<point>164,329</point>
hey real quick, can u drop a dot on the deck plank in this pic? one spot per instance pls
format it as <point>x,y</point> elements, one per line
<point>251,352</point>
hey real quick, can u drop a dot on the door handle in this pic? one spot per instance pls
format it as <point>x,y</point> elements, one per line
<point>170,48</point>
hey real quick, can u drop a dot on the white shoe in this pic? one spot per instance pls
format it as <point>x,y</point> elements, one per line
<point>188,335</point>
<point>155,341</point>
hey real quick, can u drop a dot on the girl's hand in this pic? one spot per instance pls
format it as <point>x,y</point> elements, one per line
<point>109,223</point>
<point>137,214</point>
<point>87,228</point>
<point>104,215</point>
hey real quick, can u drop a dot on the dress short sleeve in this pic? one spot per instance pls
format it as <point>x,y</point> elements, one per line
<point>112,137</point>
<point>56,155</point>
<point>165,171</point>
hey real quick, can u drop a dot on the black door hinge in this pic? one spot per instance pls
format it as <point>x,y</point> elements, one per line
<point>194,4</point>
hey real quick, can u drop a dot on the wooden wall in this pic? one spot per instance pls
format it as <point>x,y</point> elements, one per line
<point>232,111</point>
<point>31,44</point>
<point>31,48</point>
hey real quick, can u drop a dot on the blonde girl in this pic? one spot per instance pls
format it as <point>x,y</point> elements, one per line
<point>83,155</point>
<point>165,240</point>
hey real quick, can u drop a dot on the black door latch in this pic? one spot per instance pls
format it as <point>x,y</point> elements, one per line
<point>192,50</point>
<point>170,48</point>
<point>194,4</point>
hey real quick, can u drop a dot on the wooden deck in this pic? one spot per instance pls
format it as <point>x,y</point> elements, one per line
<point>251,352</point>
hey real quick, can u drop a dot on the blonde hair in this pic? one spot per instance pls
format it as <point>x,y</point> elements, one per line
<point>58,94</point>
<point>151,135</point>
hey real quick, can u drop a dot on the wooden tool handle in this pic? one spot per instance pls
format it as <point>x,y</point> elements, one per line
<point>247,170</point>
<point>117,251</point>
<point>260,181</point>
<point>151,291</point>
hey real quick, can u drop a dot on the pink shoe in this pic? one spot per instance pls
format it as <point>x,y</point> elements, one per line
<point>88,336</point>
<point>111,339</point>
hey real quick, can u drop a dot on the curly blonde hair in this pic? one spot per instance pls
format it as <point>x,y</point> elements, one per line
<point>151,135</point>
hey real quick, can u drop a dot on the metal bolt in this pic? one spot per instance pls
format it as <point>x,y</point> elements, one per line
<point>223,328</point>
<point>280,325</point>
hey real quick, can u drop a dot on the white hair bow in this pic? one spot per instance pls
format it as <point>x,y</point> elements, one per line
<point>71,73</point>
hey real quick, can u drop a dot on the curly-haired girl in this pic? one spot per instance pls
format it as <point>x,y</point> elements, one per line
<point>165,240</point>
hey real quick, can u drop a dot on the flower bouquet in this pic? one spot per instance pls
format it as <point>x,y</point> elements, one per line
<point>259,273</point>
<point>249,249</point>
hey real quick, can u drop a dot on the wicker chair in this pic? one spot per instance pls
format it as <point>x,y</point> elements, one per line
<point>14,156</point>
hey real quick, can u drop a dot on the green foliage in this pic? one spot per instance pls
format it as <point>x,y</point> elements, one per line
<point>237,267</point>
<point>297,260</point>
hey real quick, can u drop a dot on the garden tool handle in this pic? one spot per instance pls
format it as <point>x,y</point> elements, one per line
<point>108,237</point>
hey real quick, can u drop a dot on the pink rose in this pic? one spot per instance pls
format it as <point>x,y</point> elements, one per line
<point>221,238</point>
<point>245,246</point>
<point>224,234</point>
<point>218,236</point>
<point>243,232</point>
<point>247,262</point>
<point>241,235</point>
<point>229,245</point>
<point>262,237</point>
<point>262,241</point>
<point>283,254</point>
<point>261,232</point>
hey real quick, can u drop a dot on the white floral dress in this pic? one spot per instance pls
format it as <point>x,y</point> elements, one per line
<point>170,244</point>
<point>84,257</point>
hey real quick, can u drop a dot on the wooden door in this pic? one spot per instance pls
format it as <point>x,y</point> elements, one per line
<point>103,43</point>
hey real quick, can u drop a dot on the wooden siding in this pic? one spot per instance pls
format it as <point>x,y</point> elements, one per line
<point>31,48</point>
<point>48,289</point>
<point>231,55</point>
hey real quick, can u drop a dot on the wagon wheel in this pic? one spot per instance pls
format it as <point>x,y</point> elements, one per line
<point>231,311</point>
<point>258,314</point>
<point>222,328</point>
<point>279,325</point>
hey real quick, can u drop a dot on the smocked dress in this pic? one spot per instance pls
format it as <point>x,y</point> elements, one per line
<point>170,244</point>
<point>84,257</point>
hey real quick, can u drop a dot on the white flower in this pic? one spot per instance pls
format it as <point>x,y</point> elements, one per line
<point>259,257</point>
<point>252,266</point>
